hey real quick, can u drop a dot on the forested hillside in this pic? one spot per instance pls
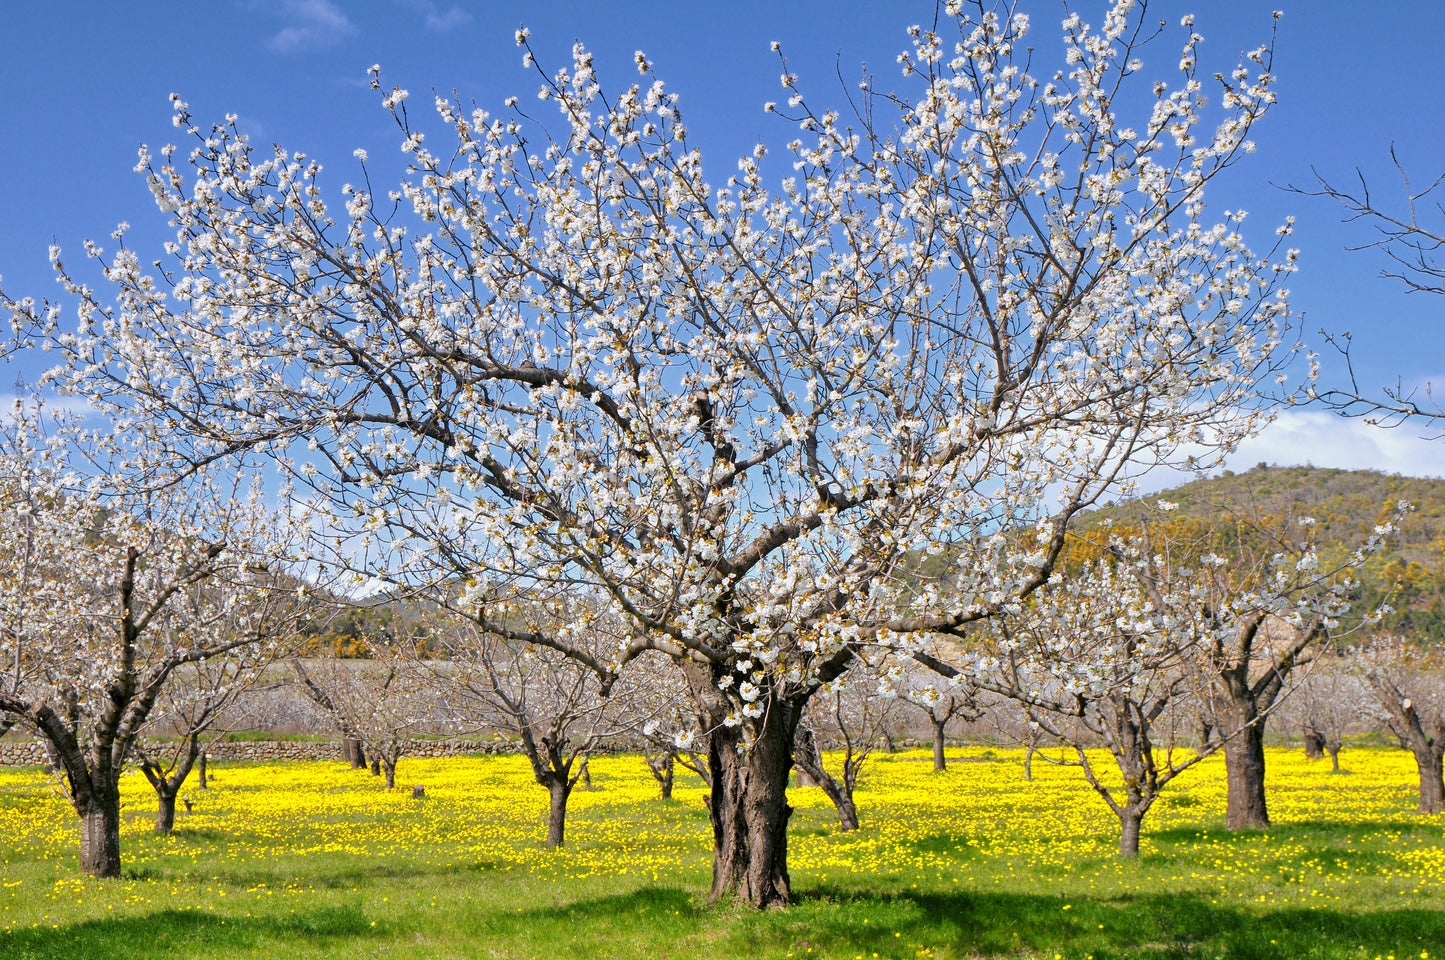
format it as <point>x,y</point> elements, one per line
<point>1346,506</point>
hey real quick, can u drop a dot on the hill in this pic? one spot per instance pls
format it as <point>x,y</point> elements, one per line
<point>1346,505</point>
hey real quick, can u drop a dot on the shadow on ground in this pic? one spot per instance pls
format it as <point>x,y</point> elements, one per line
<point>182,933</point>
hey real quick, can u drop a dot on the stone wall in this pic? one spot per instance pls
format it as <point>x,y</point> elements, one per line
<point>25,752</point>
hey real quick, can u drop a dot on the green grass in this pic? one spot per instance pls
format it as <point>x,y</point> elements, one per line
<point>313,860</point>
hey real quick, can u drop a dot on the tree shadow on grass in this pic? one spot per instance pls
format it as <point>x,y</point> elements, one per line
<point>837,921</point>
<point>1304,830</point>
<point>656,922</point>
<point>182,933</point>
<point>1155,926</point>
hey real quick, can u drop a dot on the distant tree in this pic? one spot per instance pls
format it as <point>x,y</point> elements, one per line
<point>380,702</point>
<point>1409,684</point>
<point>113,589</point>
<point>1329,699</point>
<point>942,702</point>
<point>195,708</point>
<point>854,715</point>
<point>557,708</point>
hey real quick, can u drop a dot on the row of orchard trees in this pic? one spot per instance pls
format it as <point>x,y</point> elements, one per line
<point>1121,650</point>
<point>715,423</point>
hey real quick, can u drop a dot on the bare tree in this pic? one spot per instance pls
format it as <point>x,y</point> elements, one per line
<point>379,702</point>
<point>1409,683</point>
<point>1410,231</point>
<point>195,705</point>
<point>942,702</point>
<point>555,705</point>
<point>854,715</point>
<point>1329,700</point>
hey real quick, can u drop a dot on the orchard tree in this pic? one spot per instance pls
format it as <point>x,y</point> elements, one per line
<point>1104,655</point>
<point>854,714</point>
<point>1269,609</point>
<point>556,356</point>
<point>196,706</point>
<point>942,701</point>
<point>109,593</point>
<point>378,702</point>
<point>1330,699</point>
<point>559,709</point>
<point>1409,685</point>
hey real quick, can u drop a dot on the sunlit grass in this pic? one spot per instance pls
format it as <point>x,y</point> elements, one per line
<point>315,859</point>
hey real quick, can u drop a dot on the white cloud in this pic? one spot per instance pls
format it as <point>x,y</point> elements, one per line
<point>310,23</point>
<point>1299,437</point>
<point>440,20</point>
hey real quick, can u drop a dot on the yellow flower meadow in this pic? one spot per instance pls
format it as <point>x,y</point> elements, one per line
<point>979,827</point>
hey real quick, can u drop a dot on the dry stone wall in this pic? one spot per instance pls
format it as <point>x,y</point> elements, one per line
<point>29,752</point>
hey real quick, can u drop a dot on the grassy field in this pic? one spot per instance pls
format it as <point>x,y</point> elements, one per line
<point>315,860</point>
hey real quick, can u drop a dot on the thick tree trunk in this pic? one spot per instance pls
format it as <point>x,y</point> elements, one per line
<point>940,764</point>
<point>1314,743</point>
<point>1432,778</point>
<point>1131,819</point>
<point>165,811</point>
<point>201,770</point>
<point>1244,772</point>
<point>352,751</point>
<point>388,767</point>
<point>375,767</point>
<point>664,772</point>
<point>749,810</point>
<point>1334,750</point>
<point>100,833</point>
<point>557,812</point>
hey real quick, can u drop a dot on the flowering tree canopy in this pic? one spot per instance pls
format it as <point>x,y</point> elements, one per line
<point>109,592</point>
<point>557,356</point>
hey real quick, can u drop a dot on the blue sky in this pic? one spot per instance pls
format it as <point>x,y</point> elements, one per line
<point>90,81</point>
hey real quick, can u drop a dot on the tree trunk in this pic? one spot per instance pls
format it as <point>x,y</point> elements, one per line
<point>557,812</point>
<point>1244,771</point>
<point>1432,778</point>
<point>165,811</point>
<point>375,766</point>
<point>1029,764</point>
<point>201,770</point>
<point>352,751</point>
<point>389,768</point>
<point>663,771</point>
<point>585,774</point>
<point>749,810</point>
<point>1314,743</point>
<point>100,832</point>
<point>810,761</point>
<point>1131,819</point>
<point>1334,750</point>
<point>940,764</point>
